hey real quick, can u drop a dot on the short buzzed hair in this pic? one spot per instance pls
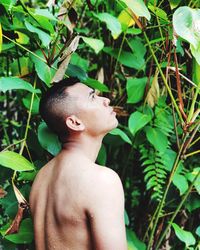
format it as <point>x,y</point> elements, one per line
<point>56,104</point>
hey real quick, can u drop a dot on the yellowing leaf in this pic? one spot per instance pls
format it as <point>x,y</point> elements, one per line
<point>154,92</point>
<point>22,38</point>
<point>125,18</point>
<point>1,39</point>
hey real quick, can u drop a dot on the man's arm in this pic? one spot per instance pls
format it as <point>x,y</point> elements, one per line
<point>106,212</point>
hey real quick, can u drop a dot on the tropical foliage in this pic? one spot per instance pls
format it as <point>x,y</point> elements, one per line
<point>143,55</point>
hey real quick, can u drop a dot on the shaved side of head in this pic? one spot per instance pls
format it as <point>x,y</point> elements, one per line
<point>56,104</point>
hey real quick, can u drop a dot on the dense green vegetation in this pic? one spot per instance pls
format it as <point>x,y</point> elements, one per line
<point>147,54</point>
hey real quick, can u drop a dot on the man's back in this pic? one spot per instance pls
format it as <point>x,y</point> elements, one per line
<point>72,207</point>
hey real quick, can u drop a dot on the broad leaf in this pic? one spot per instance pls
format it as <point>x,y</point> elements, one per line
<point>44,72</point>
<point>156,137</point>
<point>183,235</point>
<point>76,71</point>
<point>126,19</point>
<point>186,24</point>
<point>137,121</point>
<point>96,44</point>
<point>126,58</point>
<point>112,23</point>
<point>44,37</point>
<point>48,139</point>
<point>138,7</point>
<point>180,182</point>
<point>121,133</point>
<point>174,3</point>
<point>135,88</point>
<point>10,83</point>
<point>96,85</point>
<point>25,234</point>
<point>133,242</point>
<point>15,161</point>
<point>192,175</point>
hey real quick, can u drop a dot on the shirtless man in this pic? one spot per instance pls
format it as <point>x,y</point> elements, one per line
<point>75,203</point>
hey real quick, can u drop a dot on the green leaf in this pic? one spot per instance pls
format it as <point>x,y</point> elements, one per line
<point>192,175</point>
<point>79,61</point>
<point>102,156</point>
<point>138,7</point>
<point>96,85</point>
<point>10,83</point>
<point>27,102</point>
<point>137,121</point>
<point>174,3</point>
<point>196,52</point>
<point>112,23</point>
<point>76,71</point>
<point>48,139</point>
<point>128,59</point>
<point>121,133</point>
<point>96,44</point>
<point>44,72</point>
<point>186,24</point>
<point>126,219</point>
<point>180,182</point>
<point>44,37</point>
<point>158,12</point>
<point>15,161</point>
<point>156,137</point>
<point>135,88</point>
<point>25,234</point>
<point>198,231</point>
<point>133,242</point>
<point>183,235</point>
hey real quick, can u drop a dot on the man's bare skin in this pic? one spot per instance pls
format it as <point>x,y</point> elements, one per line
<point>77,204</point>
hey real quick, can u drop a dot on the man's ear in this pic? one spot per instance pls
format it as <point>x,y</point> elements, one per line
<point>74,123</point>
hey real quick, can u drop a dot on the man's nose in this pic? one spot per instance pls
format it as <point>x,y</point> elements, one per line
<point>106,101</point>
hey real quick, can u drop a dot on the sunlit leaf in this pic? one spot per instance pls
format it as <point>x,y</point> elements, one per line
<point>112,23</point>
<point>15,161</point>
<point>125,18</point>
<point>137,121</point>
<point>22,38</point>
<point>96,44</point>
<point>186,22</point>
<point>133,242</point>
<point>174,3</point>
<point>183,235</point>
<point>9,83</point>
<point>138,7</point>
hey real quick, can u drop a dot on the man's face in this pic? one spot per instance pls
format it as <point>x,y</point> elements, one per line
<point>93,110</point>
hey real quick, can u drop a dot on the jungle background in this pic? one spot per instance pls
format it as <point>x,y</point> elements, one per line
<point>144,56</point>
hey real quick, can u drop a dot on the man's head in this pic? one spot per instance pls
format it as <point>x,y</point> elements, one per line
<point>70,107</point>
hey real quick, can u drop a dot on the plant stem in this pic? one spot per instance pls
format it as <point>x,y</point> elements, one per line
<point>163,77</point>
<point>177,210</point>
<point>161,204</point>
<point>192,153</point>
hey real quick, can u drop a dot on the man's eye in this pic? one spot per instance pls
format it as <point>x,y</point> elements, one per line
<point>93,96</point>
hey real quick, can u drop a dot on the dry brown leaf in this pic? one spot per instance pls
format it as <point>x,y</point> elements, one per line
<point>14,227</point>
<point>2,193</point>
<point>154,91</point>
<point>65,59</point>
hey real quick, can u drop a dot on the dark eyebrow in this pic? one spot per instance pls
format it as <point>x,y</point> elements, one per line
<point>91,92</point>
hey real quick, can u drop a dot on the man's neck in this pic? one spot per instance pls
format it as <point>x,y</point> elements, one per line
<point>88,146</point>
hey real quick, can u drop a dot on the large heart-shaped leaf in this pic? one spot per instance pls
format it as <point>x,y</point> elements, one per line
<point>135,88</point>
